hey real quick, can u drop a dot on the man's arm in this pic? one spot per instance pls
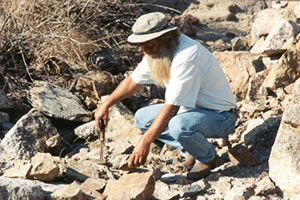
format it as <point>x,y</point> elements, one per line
<point>126,88</point>
<point>141,150</point>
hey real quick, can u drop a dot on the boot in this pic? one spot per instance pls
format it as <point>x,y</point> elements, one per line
<point>185,166</point>
<point>201,170</point>
<point>189,162</point>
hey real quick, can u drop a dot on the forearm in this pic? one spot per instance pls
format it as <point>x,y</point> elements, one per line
<point>161,122</point>
<point>126,88</point>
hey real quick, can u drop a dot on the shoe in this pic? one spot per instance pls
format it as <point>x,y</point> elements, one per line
<point>201,170</point>
<point>185,166</point>
<point>189,162</point>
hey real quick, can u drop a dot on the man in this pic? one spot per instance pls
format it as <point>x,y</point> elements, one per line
<point>199,103</point>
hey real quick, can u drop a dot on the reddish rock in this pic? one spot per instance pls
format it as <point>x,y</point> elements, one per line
<point>132,186</point>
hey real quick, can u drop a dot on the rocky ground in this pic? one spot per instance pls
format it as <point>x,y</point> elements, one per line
<point>58,61</point>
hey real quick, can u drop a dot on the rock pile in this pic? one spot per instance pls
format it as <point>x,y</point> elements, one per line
<point>53,151</point>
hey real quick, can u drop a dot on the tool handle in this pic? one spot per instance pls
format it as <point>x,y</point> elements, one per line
<point>102,130</point>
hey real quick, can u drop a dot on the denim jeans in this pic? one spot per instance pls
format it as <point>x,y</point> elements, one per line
<point>188,131</point>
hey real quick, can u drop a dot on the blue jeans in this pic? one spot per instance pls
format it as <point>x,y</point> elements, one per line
<point>188,131</point>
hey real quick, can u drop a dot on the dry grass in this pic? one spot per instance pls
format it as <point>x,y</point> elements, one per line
<point>39,38</point>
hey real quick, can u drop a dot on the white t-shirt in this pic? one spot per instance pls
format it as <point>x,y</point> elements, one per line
<point>196,80</point>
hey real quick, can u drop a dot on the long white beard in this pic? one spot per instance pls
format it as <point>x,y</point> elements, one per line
<point>160,66</point>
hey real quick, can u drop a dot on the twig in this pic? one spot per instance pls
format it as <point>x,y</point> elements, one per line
<point>3,24</point>
<point>26,66</point>
<point>107,44</point>
<point>116,42</point>
<point>81,11</point>
<point>160,6</point>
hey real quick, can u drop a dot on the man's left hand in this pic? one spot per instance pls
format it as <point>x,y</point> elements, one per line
<point>140,153</point>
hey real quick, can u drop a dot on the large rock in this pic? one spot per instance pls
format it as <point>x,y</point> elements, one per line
<point>57,102</point>
<point>213,12</point>
<point>91,187</point>
<point>19,189</point>
<point>287,71</point>
<point>265,20</point>
<point>44,167</point>
<point>95,85</point>
<point>121,123</point>
<point>70,192</point>
<point>163,191</point>
<point>134,186</point>
<point>32,133</point>
<point>20,169</point>
<point>239,64</point>
<point>279,34</point>
<point>284,162</point>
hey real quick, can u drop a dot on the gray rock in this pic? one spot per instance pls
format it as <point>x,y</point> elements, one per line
<point>279,34</point>
<point>172,178</point>
<point>32,133</point>
<point>264,22</point>
<point>265,187</point>
<point>86,130</point>
<point>163,191</point>
<point>57,102</point>
<point>19,189</point>
<point>191,190</point>
<point>284,160</point>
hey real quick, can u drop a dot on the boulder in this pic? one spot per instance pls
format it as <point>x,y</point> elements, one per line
<point>72,191</point>
<point>121,125</point>
<point>284,162</point>
<point>91,187</point>
<point>133,186</point>
<point>213,12</point>
<point>19,189</point>
<point>239,64</point>
<point>44,167</point>
<point>95,85</point>
<point>265,20</point>
<point>57,102</point>
<point>163,191</point>
<point>32,133</point>
<point>277,37</point>
<point>287,71</point>
<point>20,169</point>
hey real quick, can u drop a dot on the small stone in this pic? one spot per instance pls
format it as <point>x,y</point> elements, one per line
<point>190,190</point>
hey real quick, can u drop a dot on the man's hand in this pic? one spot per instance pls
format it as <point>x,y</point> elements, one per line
<point>101,113</point>
<point>140,153</point>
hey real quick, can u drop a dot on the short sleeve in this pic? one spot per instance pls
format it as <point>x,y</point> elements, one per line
<point>141,74</point>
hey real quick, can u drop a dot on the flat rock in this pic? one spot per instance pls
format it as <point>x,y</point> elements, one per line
<point>132,186</point>
<point>57,102</point>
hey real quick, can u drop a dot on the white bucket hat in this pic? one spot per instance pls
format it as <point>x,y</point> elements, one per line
<point>148,27</point>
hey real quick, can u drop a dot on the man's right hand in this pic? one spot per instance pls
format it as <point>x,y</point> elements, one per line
<point>101,113</point>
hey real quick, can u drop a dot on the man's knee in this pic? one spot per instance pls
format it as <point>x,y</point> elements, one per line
<point>176,128</point>
<point>138,119</point>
